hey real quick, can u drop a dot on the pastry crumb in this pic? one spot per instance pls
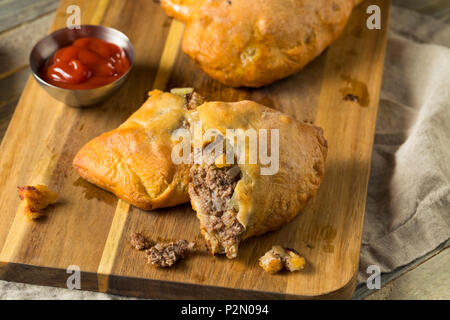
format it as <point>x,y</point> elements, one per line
<point>139,242</point>
<point>278,258</point>
<point>36,198</point>
<point>165,255</point>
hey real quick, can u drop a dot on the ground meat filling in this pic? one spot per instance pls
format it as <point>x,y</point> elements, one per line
<point>214,187</point>
<point>166,255</point>
<point>279,257</point>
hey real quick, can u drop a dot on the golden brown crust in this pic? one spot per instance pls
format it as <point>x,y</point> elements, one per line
<point>254,43</point>
<point>134,160</point>
<point>267,202</point>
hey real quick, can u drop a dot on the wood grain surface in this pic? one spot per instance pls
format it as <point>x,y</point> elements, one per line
<point>90,228</point>
<point>16,12</point>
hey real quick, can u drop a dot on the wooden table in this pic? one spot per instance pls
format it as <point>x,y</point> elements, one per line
<point>17,17</point>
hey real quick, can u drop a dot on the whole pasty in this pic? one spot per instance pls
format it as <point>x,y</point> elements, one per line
<point>134,161</point>
<point>237,201</point>
<point>256,42</point>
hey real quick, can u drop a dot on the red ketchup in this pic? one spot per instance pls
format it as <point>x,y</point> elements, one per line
<point>87,64</point>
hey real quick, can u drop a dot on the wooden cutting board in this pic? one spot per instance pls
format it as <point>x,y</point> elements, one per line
<point>89,227</point>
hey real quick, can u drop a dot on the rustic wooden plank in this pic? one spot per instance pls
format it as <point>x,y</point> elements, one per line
<point>90,228</point>
<point>17,12</point>
<point>11,87</point>
<point>16,45</point>
<point>438,9</point>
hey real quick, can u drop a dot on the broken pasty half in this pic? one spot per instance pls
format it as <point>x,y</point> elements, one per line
<point>134,161</point>
<point>255,42</point>
<point>235,201</point>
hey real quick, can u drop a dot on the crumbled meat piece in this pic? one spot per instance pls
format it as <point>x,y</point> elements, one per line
<point>278,258</point>
<point>215,187</point>
<point>194,100</point>
<point>139,242</point>
<point>167,254</point>
<point>36,198</point>
<point>185,124</point>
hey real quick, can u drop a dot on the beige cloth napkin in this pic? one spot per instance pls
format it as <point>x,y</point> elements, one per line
<point>408,204</point>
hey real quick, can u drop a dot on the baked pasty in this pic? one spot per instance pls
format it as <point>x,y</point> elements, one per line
<point>237,201</point>
<point>254,43</point>
<point>134,161</point>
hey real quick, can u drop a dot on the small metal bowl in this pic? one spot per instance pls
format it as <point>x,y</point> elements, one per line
<point>46,47</point>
